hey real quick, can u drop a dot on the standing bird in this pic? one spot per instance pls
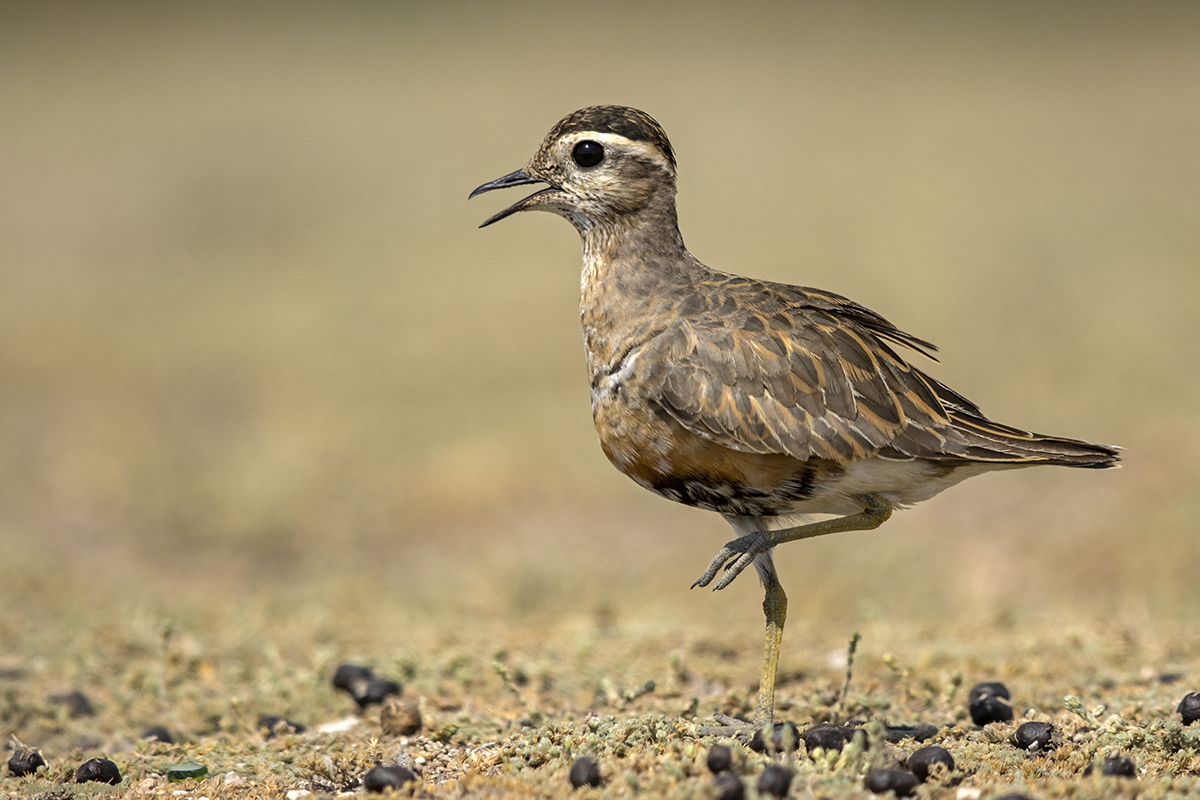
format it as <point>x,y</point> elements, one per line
<point>764,402</point>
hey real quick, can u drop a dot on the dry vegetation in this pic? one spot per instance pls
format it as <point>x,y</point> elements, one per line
<point>263,386</point>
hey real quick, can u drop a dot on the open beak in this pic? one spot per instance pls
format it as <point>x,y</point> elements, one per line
<point>518,178</point>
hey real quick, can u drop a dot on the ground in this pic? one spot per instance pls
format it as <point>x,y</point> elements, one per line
<point>270,401</point>
<point>506,716</point>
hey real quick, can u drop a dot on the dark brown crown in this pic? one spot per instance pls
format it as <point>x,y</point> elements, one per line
<point>631,123</point>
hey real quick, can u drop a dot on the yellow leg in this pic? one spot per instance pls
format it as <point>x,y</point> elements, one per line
<point>775,610</point>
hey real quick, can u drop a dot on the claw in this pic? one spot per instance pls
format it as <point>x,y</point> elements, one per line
<point>733,558</point>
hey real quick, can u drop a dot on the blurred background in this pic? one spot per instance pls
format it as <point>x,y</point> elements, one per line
<point>256,358</point>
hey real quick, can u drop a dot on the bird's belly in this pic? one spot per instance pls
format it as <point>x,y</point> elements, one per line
<point>653,449</point>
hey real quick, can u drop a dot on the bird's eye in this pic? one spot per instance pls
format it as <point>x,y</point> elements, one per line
<point>588,154</point>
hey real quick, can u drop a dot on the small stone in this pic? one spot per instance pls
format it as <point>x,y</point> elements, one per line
<point>829,737</point>
<point>380,778</point>
<point>882,781</point>
<point>188,769</point>
<point>921,762</point>
<point>233,779</point>
<point>775,780</point>
<point>77,702</point>
<point>1033,736</point>
<point>988,703</point>
<point>585,772</point>
<point>781,731</point>
<point>374,691</point>
<point>157,733</point>
<point>1119,766</point>
<point>24,760</point>
<point>294,794</point>
<point>720,758</point>
<point>729,786</point>
<point>1189,708</point>
<point>100,770</point>
<point>273,725</point>
<point>400,717</point>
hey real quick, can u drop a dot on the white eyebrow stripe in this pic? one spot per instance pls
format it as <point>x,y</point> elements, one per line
<point>644,149</point>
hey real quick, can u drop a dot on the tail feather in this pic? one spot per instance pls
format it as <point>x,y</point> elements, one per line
<point>991,441</point>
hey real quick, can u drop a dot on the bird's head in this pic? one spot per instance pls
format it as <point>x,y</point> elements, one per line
<point>600,164</point>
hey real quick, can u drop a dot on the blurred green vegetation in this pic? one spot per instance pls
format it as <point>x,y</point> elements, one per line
<point>255,355</point>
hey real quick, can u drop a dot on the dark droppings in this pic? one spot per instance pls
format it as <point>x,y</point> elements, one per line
<point>830,737</point>
<point>158,733</point>
<point>988,702</point>
<point>272,725</point>
<point>25,760</point>
<point>882,781</point>
<point>720,758</point>
<point>1034,736</point>
<point>1189,708</point>
<point>921,762</point>
<point>100,770</point>
<point>379,779</point>
<point>785,737</point>
<point>1118,766</point>
<point>585,772</point>
<point>729,786</point>
<point>775,781</point>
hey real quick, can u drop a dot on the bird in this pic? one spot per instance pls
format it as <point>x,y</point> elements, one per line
<point>790,411</point>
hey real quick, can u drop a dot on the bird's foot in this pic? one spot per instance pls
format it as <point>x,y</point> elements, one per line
<point>729,727</point>
<point>761,736</point>
<point>735,557</point>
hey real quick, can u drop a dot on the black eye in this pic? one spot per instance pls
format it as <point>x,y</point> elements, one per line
<point>588,154</point>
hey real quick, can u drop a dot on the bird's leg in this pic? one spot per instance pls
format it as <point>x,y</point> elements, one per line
<point>775,610</point>
<point>738,554</point>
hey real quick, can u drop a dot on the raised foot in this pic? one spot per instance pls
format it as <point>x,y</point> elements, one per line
<point>735,557</point>
<point>738,554</point>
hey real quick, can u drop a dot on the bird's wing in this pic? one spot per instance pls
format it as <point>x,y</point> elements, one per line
<point>771,368</point>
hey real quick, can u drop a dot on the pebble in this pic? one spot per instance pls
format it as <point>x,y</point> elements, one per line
<point>829,737</point>
<point>233,779</point>
<point>1120,766</point>
<point>296,794</point>
<point>988,703</point>
<point>775,780</point>
<point>882,781</point>
<point>273,724</point>
<point>585,772</point>
<point>921,762</point>
<point>758,745</point>
<point>1033,736</point>
<point>729,786</point>
<point>1189,708</point>
<point>400,717</point>
<point>380,778</point>
<point>100,770</point>
<point>157,733</point>
<point>720,758</point>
